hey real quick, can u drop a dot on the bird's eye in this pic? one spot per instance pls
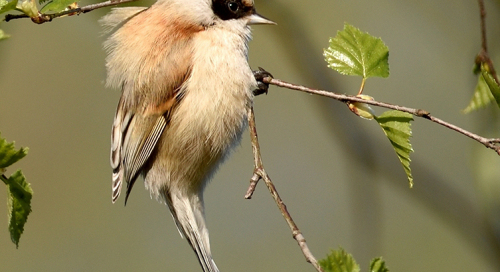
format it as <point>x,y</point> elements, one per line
<point>233,6</point>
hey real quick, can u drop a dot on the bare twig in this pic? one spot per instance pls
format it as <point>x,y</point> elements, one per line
<point>483,56</point>
<point>482,12</point>
<point>492,143</point>
<point>260,173</point>
<point>43,18</point>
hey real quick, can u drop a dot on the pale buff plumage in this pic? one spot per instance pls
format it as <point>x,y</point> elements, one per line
<point>186,88</point>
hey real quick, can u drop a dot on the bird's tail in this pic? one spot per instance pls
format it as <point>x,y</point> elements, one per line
<point>188,214</point>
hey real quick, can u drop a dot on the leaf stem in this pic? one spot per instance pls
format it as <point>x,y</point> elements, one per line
<point>4,179</point>
<point>362,86</point>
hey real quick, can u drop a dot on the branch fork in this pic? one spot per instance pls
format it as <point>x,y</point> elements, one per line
<point>259,173</point>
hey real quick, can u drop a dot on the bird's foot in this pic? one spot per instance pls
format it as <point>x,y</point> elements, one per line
<point>262,87</point>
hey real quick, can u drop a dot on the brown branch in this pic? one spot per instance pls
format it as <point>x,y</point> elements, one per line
<point>483,56</point>
<point>43,17</point>
<point>492,143</point>
<point>482,12</point>
<point>260,173</point>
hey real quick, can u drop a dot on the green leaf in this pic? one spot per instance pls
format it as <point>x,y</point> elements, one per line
<point>7,6</point>
<point>9,154</point>
<point>20,193</point>
<point>491,83</point>
<point>353,52</point>
<point>28,7</point>
<point>486,91</point>
<point>3,35</point>
<point>3,3</point>
<point>57,5</point>
<point>378,265</point>
<point>339,261</point>
<point>482,96</point>
<point>396,126</point>
<point>19,202</point>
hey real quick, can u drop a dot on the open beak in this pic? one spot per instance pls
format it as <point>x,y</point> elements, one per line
<point>256,19</point>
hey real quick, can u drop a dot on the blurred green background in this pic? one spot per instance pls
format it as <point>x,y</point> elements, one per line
<point>337,173</point>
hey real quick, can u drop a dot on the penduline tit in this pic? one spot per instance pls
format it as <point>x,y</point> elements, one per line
<point>186,87</point>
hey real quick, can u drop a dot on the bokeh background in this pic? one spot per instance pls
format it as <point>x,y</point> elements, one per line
<point>337,173</point>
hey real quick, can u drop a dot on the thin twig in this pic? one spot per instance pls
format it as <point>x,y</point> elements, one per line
<point>260,173</point>
<point>482,12</point>
<point>492,143</point>
<point>483,56</point>
<point>43,18</point>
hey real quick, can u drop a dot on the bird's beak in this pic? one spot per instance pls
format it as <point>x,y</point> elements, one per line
<point>256,19</point>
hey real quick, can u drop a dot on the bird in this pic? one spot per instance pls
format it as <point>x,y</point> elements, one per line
<point>186,86</point>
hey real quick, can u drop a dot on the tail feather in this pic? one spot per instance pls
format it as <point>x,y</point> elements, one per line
<point>203,253</point>
<point>189,217</point>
